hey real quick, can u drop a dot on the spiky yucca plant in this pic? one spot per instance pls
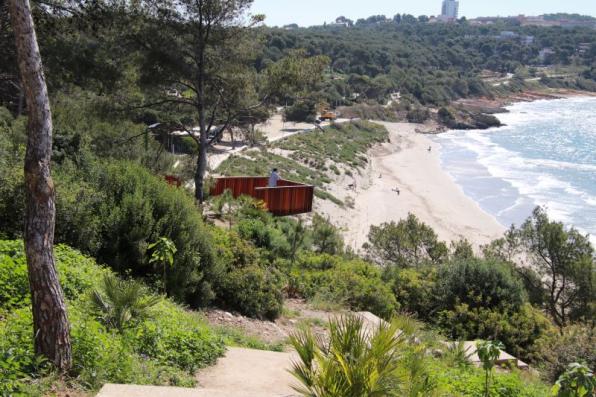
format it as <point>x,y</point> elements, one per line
<point>354,362</point>
<point>122,301</point>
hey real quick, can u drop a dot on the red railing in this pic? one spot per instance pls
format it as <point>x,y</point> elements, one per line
<point>288,198</point>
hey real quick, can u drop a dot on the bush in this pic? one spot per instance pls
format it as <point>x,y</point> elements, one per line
<point>413,289</point>
<point>470,383</point>
<point>164,350</point>
<point>479,283</point>
<point>418,115</point>
<point>355,285</point>
<point>138,208</point>
<point>575,344</point>
<point>77,273</point>
<point>254,291</point>
<point>523,331</point>
<point>408,243</point>
<point>304,111</point>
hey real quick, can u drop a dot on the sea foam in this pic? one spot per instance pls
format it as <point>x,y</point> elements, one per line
<point>545,155</point>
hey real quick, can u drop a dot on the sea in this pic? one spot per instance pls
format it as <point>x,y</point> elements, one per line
<point>544,155</point>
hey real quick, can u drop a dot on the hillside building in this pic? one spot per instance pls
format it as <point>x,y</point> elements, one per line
<point>450,10</point>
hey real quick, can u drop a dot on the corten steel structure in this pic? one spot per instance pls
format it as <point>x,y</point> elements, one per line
<point>288,198</point>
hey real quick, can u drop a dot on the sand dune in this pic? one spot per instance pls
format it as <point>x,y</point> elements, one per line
<point>425,190</point>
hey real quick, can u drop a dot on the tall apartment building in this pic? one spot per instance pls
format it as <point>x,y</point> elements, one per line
<point>450,9</point>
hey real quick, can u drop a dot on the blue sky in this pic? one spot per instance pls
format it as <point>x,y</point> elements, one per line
<point>315,12</point>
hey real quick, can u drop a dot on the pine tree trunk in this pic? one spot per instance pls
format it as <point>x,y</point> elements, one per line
<point>50,321</point>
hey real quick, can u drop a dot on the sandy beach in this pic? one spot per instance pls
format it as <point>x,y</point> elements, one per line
<point>424,190</point>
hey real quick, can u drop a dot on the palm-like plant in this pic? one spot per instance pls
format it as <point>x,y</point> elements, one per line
<point>354,362</point>
<point>121,302</point>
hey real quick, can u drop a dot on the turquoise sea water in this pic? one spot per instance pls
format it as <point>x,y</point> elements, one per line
<point>545,155</point>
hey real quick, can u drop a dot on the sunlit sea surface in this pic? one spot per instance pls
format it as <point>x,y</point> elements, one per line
<point>545,155</point>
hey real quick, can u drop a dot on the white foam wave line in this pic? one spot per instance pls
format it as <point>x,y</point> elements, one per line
<point>521,174</point>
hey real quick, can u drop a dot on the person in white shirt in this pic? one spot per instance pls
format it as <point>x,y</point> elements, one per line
<point>274,178</point>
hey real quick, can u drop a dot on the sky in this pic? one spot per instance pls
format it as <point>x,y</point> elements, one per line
<point>315,12</point>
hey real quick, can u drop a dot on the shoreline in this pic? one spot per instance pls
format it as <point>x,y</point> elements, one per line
<point>499,105</point>
<point>426,190</point>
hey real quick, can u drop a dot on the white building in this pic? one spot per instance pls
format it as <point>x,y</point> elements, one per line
<point>450,9</point>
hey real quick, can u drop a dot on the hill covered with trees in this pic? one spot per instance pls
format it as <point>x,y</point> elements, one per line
<point>136,258</point>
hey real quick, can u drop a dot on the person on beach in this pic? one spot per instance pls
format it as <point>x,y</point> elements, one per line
<point>274,178</point>
<point>430,149</point>
<point>396,190</point>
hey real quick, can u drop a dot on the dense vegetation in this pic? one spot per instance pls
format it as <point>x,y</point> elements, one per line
<point>165,345</point>
<point>432,63</point>
<point>315,157</point>
<point>113,204</point>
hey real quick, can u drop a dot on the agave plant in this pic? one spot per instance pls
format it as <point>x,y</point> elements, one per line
<point>354,362</point>
<point>122,302</point>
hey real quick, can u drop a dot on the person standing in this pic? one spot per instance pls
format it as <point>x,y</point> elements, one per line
<point>274,178</point>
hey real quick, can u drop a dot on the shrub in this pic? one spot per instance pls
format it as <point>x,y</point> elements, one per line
<point>355,285</point>
<point>354,363</point>
<point>177,338</point>
<point>304,111</point>
<point>523,331</point>
<point>418,115</point>
<point>479,283</point>
<point>164,350</point>
<point>77,274</point>
<point>413,290</point>
<point>138,209</point>
<point>575,344</point>
<point>406,243</point>
<point>254,291</point>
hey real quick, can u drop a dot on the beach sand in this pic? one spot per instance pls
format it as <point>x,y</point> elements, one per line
<point>425,190</point>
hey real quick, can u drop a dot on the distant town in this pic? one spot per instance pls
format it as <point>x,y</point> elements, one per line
<point>450,14</point>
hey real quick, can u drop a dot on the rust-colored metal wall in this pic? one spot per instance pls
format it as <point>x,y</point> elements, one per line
<point>288,198</point>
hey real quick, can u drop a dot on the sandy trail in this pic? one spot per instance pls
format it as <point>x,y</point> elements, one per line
<point>425,190</point>
<point>274,130</point>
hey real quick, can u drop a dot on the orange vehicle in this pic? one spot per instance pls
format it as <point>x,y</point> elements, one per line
<point>327,115</point>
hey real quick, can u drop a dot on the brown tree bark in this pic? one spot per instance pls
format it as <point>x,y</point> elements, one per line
<point>50,321</point>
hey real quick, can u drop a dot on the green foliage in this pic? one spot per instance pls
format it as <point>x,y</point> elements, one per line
<point>558,266</point>
<point>575,344</point>
<point>301,112</point>
<point>524,332</point>
<point>122,303</point>
<point>254,291</point>
<point>177,338</point>
<point>163,251</point>
<point>354,363</point>
<point>471,383</point>
<point>418,115</point>
<point>413,289</point>
<point>408,243</point>
<point>77,274</point>
<point>577,381</point>
<point>326,238</point>
<point>139,208</point>
<point>164,349</point>
<point>488,353</point>
<point>479,283</point>
<point>353,284</point>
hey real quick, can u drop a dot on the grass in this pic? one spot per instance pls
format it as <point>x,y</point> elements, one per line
<point>316,158</point>
<point>235,337</point>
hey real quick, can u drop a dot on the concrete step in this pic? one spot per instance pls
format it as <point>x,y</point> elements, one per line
<point>112,390</point>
